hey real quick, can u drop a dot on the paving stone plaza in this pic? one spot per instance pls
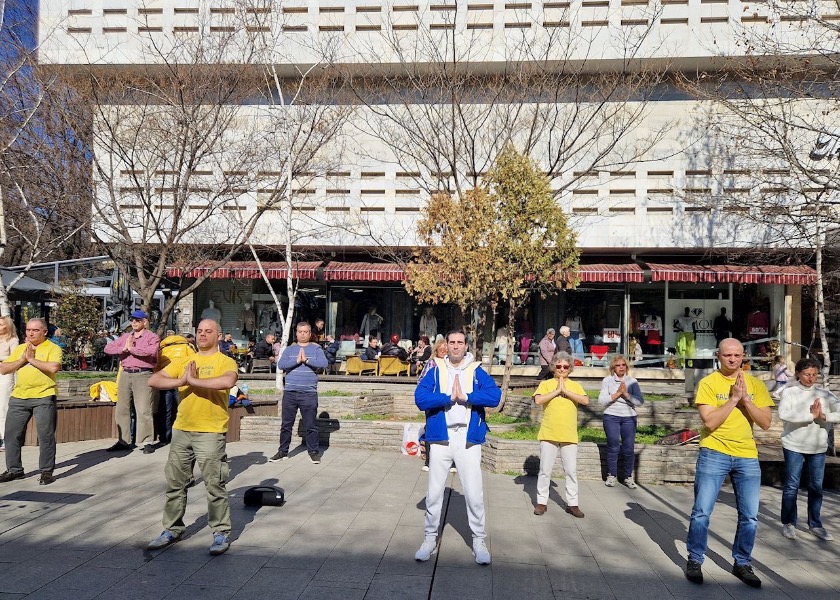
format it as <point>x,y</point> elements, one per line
<point>351,525</point>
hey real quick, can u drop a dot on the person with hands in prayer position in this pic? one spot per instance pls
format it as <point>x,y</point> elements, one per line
<point>558,433</point>
<point>454,396</point>
<point>729,402</point>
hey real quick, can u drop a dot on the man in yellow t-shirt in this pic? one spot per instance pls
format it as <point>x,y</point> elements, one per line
<point>35,364</point>
<point>729,402</point>
<point>198,436</point>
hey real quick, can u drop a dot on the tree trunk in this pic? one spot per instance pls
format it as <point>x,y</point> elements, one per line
<point>819,300</point>
<point>509,357</point>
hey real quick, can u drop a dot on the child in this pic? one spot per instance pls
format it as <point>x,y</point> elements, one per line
<point>780,374</point>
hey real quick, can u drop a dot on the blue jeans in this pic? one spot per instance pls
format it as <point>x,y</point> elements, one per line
<point>745,473</point>
<point>624,428</point>
<point>815,465</point>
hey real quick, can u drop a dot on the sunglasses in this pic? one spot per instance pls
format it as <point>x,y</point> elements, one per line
<point>620,365</point>
<point>135,319</point>
<point>562,367</point>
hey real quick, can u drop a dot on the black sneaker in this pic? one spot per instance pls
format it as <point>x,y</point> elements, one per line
<point>279,456</point>
<point>694,572</point>
<point>148,449</point>
<point>745,574</point>
<point>11,476</point>
<point>315,457</point>
<point>46,478</point>
<point>119,447</point>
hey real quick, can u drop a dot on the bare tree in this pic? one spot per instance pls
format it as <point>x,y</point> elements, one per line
<point>302,122</point>
<point>441,97</point>
<point>443,102</point>
<point>175,147</point>
<point>43,200</point>
<point>770,161</point>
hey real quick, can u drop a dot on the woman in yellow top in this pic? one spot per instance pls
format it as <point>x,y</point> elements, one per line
<point>559,398</point>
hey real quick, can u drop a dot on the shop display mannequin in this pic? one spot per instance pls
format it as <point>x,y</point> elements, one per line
<point>652,326</point>
<point>685,327</point>
<point>212,313</point>
<point>758,324</point>
<point>371,323</point>
<point>428,323</point>
<point>722,326</point>
<point>247,321</point>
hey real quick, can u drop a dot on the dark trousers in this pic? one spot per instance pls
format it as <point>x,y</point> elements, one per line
<point>545,373</point>
<point>17,418</point>
<point>307,403</point>
<point>165,415</point>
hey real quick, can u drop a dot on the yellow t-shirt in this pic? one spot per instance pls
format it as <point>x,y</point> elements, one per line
<point>202,410</point>
<point>735,435</point>
<point>559,422</point>
<point>31,382</point>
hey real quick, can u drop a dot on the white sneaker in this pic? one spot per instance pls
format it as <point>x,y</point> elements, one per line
<point>453,470</point>
<point>821,533</point>
<point>425,468</point>
<point>630,483</point>
<point>481,553</point>
<point>610,482</point>
<point>425,552</point>
<point>789,531</point>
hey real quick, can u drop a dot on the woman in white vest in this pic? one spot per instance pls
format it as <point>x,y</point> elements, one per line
<point>8,342</point>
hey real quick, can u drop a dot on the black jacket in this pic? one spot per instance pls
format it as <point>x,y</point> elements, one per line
<point>263,350</point>
<point>389,349</point>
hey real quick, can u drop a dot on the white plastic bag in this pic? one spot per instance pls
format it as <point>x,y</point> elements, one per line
<point>411,439</point>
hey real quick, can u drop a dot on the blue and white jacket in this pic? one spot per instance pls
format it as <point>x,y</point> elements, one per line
<point>481,392</point>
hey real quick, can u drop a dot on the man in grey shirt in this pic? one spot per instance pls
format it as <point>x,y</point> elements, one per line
<point>299,362</point>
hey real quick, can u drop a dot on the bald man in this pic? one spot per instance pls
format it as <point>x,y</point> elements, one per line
<point>198,436</point>
<point>729,402</point>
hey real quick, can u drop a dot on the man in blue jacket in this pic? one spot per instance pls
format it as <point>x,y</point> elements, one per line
<point>300,362</point>
<point>454,396</point>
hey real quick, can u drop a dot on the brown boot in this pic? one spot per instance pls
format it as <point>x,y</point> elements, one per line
<point>574,511</point>
<point>540,509</point>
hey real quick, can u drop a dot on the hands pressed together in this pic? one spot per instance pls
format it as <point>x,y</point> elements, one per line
<point>738,391</point>
<point>817,410</point>
<point>458,396</point>
<point>190,376</point>
<point>29,353</point>
<point>621,392</point>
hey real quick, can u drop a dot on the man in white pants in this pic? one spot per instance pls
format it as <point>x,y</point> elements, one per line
<point>453,397</point>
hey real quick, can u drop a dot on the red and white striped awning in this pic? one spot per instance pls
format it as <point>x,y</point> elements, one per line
<point>248,270</point>
<point>604,273</point>
<point>363,271</point>
<point>783,275</point>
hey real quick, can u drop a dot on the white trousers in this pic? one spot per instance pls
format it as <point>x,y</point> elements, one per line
<point>7,382</point>
<point>468,462</point>
<point>548,454</point>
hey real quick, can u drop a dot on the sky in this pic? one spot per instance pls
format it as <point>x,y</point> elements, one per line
<point>19,25</point>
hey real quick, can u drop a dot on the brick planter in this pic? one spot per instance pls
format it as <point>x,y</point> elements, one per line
<point>654,464</point>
